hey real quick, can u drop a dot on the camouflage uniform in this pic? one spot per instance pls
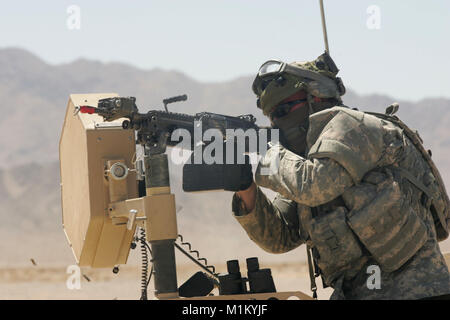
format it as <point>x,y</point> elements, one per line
<point>350,202</point>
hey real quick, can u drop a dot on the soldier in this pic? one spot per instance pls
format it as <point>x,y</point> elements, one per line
<point>350,185</point>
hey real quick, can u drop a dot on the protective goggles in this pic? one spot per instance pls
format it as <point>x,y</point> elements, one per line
<point>273,69</point>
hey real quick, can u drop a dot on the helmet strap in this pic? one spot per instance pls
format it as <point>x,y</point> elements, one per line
<point>310,100</point>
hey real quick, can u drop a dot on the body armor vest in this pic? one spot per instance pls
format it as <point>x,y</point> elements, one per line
<point>376,217</point>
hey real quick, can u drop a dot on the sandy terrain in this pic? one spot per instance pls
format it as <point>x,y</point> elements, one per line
<point>36,282</point>
<point>41,282</point>
<point>46,278</point>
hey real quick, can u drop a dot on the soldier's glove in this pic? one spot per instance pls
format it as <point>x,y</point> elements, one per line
<point>229,177</point>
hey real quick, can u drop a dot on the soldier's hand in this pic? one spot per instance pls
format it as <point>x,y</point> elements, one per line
<point>248,196</point>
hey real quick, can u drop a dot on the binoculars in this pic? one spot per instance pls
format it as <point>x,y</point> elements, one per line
<point>259,280</point>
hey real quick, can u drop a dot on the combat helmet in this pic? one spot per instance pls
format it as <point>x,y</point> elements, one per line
<point>277,80</point>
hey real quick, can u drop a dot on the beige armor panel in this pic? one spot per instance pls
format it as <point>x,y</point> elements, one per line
<point>86,145</point>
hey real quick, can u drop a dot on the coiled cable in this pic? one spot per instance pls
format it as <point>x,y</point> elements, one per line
<point>145,277</point>
<point>200,261</point>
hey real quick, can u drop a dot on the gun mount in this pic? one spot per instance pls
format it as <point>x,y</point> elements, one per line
<point>107,195</point>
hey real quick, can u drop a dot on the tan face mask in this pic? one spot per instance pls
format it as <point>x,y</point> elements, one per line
<point>293,129</point>
<point>294,126</point>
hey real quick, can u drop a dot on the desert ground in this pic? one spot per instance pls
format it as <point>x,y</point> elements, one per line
<point>50,282</point>
<point>37,282</point>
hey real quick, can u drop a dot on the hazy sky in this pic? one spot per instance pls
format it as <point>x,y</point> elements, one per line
<point>407,57</point>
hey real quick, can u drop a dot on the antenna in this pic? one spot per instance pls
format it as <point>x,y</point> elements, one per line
<point>324,27</point>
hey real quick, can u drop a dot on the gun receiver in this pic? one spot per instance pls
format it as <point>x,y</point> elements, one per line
<point>156,126</point>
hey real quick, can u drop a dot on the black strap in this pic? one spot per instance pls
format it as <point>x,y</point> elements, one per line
<point>411,178</point>
<point>311,273</point>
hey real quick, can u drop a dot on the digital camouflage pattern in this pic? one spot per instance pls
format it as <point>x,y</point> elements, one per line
<point>352,218</point>
<point>350,137</point>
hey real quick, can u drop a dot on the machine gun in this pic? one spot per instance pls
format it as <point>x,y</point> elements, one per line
<point>156,126</point>
<point>103,206</point>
